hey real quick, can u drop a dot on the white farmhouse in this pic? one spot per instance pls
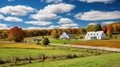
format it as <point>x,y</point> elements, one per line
<point>65,35</point>
<point>95,35</point>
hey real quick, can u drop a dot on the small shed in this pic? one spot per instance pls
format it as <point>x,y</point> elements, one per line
<point>66,35</point>
<point>99,35</point>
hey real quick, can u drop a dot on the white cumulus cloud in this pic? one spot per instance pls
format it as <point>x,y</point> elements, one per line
<point>91,1</point>
<point>53,26</point>
<point>67,23</point>
<point>34,28</point>
<point>13,19</point>
<point>92,23</point>
<point>50,11</point>
<point>49,27</point>
<point>108,22</point>
<point>65,20</point>
<point>98,15</point>
<point>3,26</point>
<point>1,16</point>
<point>70,25</point>
<point>44,16</point>
<point>38,23</point>
<point>19,10</point>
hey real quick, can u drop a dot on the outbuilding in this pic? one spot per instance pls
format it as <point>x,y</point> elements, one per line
<point>66,35</point>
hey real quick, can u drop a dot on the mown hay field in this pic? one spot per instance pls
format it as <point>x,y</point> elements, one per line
<point>100,43</point>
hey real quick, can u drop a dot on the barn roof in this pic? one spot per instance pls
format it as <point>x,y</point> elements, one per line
<point>96,32</point>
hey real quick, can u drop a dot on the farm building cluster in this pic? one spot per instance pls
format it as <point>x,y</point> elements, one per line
<point>97,35</point>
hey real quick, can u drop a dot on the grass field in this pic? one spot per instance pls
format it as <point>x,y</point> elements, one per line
<point>111,59</point>
<point>106,60</point>
<point>9,53</point>
<point>20,49</point>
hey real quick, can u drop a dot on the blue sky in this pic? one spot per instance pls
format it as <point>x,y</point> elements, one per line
<point>49,14</point>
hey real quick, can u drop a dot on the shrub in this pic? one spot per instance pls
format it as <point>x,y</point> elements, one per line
<point>45,41</point>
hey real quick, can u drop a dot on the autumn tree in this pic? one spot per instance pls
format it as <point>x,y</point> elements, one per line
<point>3,34</point>
<point>109,30</point>
<point>116,27</point>
<point>104,28</point>
<point>16,34</point>
<point>74,30</point>
<point>82,31</point>
<point>55,34</point>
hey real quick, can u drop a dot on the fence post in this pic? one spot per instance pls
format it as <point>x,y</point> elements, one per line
<point>42,57</point>
<point>15,60</point>
<point>29,59</point>
<point>74,55</point>
<point>60,56</point>
<point>53,57</point>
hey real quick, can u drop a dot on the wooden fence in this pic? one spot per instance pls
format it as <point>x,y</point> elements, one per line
<point>43,57</point>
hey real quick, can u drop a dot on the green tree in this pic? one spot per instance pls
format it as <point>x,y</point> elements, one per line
<point>96,27</point>
<point>45,41</point>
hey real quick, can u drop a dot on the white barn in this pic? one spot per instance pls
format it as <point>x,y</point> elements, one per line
<point>65,35</point>
<point>100,35</point>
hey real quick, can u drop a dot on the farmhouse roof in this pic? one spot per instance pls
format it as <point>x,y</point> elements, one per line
<point>96,32</point>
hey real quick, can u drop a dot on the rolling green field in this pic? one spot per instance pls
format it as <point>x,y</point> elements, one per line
<point>108,60</point>
<point>9,53</point>
<point>9,50</point>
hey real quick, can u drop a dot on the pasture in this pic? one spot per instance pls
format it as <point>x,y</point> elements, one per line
<point>107,60</point>
<point>9,50</point>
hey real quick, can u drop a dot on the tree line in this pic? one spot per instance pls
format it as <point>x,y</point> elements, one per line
<point>18,34</point>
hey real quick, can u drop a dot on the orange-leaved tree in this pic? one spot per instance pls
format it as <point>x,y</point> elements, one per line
<point>16,34</point>
<point>104,28</point>
<point>109,30</point>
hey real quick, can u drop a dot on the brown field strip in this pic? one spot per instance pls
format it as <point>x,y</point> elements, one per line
<point>101,43</point>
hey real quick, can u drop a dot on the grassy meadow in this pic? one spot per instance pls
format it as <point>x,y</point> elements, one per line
<point>9,53</point>
<point>10,49</point>
<point>107,60</point>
